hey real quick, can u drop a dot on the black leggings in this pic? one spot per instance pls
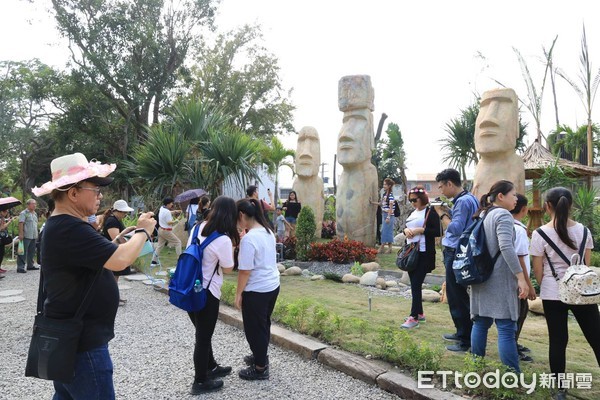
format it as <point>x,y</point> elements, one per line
<point>256,312</point>
<point>205,322</point>
<point>417,277</point>
<point>556,313</point>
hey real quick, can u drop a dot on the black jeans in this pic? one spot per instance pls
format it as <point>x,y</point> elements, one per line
<point>205,322</point>
<point>556,314</point>
<point>458,301</point>
<point>256,312</point>
<point>417,277</point>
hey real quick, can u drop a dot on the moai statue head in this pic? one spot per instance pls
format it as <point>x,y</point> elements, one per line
<point>356,140</point>
<point>308,152</point>
<point>497,124</point>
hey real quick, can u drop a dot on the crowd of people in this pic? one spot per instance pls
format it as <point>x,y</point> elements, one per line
<point>502,299</point>
<point>74,248</point>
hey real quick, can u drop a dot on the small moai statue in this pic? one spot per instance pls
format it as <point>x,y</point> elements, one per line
<point>308,185</point>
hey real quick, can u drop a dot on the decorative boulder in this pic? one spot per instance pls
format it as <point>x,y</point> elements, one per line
<point>292,271</point>
<point>405,278</point>
<point>399,239</point>
<point>371,266</point>
<point>369,278</point>
<point>280,268</point>
<point>391,284</point>
<point>429,295</point>
<point>394,289</point>
<point>380,282</point>
<point>349,278</point>
<point>536,306</point>
<point>317,277</point>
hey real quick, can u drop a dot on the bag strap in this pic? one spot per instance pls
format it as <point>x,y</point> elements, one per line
<point>559,252</point>
<point>195,239</point>
<point>210,238</point>
<point>426,216</point>
<point>84,304</point>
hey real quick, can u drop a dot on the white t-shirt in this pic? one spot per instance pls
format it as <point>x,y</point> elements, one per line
<point>258,255</point>
<point>416,219</point>
<point>522,244</point>
<point>549,286</point>
<point>219,251</point>
<point>164,217</point>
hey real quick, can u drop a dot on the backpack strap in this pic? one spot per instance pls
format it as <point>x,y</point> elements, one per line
<point>559,252</point>
<point>209,239</point>
<point>195,239</point>
<point>495,258</point>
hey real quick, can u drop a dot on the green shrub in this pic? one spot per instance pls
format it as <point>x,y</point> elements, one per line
<point>332,276</point>
<point>388,344</point>
<point>435,288</point>
<point>305,232</point>
<point>357,269</point>
<point>319,324</point>
<point>595,258</point>
<point>279,311</point>
<point>296,316</point>
<point>228,293</point>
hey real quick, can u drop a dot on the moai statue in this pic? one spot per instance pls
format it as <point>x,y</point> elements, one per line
<point>358,181</point>
<point>496,133</point>
<point>308,185</point>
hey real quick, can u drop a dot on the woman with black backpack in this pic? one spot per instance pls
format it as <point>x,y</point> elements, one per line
<point>568,237</point>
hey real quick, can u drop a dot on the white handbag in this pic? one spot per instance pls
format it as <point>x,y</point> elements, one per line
<point>579,285</point>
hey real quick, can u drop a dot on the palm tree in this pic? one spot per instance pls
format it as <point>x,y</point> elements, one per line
<point>572,142</point>
<point>587,92</point>
<point>459,144</point>
<point>274,155</point>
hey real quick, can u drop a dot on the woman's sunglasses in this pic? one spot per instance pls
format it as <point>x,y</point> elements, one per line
<point>413,200</point>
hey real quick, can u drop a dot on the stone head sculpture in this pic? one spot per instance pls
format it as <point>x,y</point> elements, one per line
<point>308,152</point>
<point>497,124</point>
<point>355,140</point>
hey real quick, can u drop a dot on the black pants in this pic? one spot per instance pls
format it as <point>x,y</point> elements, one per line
<point>205,322</point>
<point>523,310</point>
<point>417,277</point>
<point>556,313</point>
<point>458,301</point>
<point>256,311</point>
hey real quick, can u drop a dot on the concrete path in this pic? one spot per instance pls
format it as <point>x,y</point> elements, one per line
<point>152,354</point>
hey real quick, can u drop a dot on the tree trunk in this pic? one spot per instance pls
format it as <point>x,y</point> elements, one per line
<point>554,95</point>
<point>590,151</point>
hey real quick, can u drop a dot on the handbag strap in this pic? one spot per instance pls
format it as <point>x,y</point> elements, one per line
<point>559,252</point>
<point>84,304</point>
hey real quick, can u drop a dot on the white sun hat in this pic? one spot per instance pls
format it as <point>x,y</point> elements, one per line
<point>72,168</point>
<point>121,205</point>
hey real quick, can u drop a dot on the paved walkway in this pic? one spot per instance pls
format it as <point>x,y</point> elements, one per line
<point>152,354</point>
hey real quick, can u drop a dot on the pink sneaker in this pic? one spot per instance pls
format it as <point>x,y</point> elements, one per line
<point>421,318</point>
<point>411,322</point>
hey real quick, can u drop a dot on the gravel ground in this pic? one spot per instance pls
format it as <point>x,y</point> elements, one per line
<point>152,354</point>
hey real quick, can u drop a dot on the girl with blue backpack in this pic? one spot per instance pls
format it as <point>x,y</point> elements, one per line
<point>217,259</point>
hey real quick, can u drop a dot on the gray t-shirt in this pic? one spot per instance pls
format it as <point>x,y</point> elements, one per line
<point>280,223</point>
<point>30,224</point>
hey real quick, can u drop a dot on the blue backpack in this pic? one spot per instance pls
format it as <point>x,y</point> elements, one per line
<point>185,287</point>
<point>473,263</point>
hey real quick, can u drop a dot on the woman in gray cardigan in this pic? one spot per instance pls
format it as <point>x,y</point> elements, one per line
<point>497,299</point>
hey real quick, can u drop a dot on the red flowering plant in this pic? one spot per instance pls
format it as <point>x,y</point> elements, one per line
<point>341,252</point>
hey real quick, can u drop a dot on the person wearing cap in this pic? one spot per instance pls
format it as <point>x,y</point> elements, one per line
<point>73,254</point>
<point>165,228</point>
<point>113,229</point>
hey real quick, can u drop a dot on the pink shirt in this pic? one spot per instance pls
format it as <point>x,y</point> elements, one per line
<point>219,251</point>
<point>549,286</point>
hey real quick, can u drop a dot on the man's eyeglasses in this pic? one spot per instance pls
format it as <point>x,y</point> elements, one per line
<point>96,189</point>
<point>413,200</point>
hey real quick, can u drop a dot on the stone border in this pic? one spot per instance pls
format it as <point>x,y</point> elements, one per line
<point>377,373</point>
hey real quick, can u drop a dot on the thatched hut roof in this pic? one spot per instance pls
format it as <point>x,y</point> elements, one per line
<point>537,158</point>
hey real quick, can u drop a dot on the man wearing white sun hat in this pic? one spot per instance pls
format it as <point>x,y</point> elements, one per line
<point>75,257</point>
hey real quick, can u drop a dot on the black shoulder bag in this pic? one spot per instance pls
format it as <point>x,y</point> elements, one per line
<point>54,342</point>
<point>408,256</point>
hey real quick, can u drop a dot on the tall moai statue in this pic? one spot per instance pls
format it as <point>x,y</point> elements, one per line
<point>356,217</point>
<point>308,185</point>
<point>496,133</point>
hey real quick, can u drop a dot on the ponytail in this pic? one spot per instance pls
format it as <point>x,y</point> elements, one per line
<point>253,209</point>
<point>561,200</point>
<point>486,201</point>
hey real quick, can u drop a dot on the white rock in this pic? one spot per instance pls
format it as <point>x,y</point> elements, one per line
<point>12,299</point>
<point>135,277</point>
<point>381,282</point>
<point>369,278</point>
<point>536,306</point>
<point>405,278</point>
<point>391,284</point>
<point>399,239</point>
<point>124,287</point>
<point>349,278</point>
<point>317,277</point>
<point>394,289</point>
<point>371,266</point>
<point>428,295</point>
<point>292,271</point>
<point>13,292</point>
<point>280,268</point>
